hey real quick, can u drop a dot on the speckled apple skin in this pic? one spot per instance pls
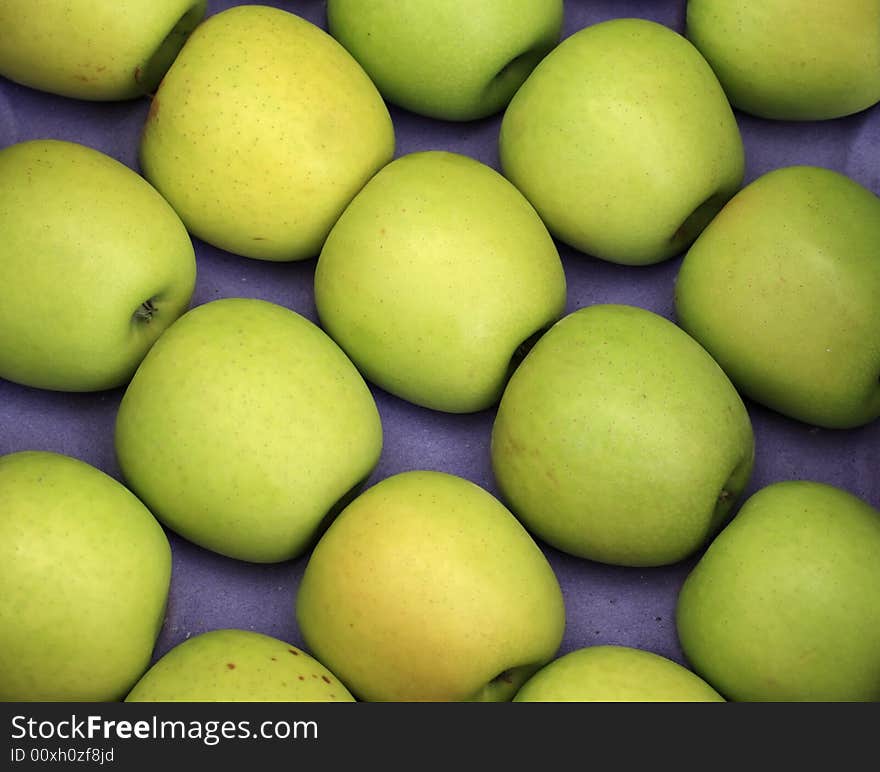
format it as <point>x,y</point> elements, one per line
<point>85,570</point>
<point>86,243</point>
<point>618,137</point>
<point>453,59</point>
<point>426,588</point>
<point>782,289</point>
<point>789,60</point>
<point>784,605</point>
<point>619,439</point>
<point>94,50</point>
<point>434,276</point>
<point>244,426</point>
<point>615,674</point>
<point>262,131</point>
<point>238,666</point>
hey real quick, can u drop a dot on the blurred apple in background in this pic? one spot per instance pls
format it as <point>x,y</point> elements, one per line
<point>426,588</point>
<point>783,289</point>
<point>619,439</point>
<point>244,427</point>
<point>434,276</point>
<point>450,59</point>
<point>262,131</point>
<point>785,603</point>
<point>790,59</point>
<point>85,571</point>
<point>615,674</point>
<point>624,142</point>
<point>237,666</point>
<point>94,265</point>
<point>91,49</point>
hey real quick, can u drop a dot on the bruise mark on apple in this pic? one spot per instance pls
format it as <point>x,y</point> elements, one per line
<point>230,665</point>
<point>324,678</point>
<point>138,74</point>
<point>294,652</point>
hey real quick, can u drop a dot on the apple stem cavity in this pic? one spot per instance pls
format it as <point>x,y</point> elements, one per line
<point>696,221</point>
<point>512,65</point>
<point>515,71</point>
<point>150,73</point>
<point>522,350</point>
<point>505,685</point>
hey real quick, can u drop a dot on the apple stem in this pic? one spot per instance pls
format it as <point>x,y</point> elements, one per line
<point>145,311</point>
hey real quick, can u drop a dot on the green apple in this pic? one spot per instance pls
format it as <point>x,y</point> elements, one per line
<point>623,140</point>
<point>784,605</point>
<point>791,60</point>
<point>238,666</point>
<point>615,674</point>
<point>85,571</point>
<point>262,131</point>
<point>92,49</point>
<point>426,588</point>
<point>434,276</point>
<point>450,59</point>
<point>619,439</point>
<point>782,288</point>
<point>244,427</point>
<point>94,265</point>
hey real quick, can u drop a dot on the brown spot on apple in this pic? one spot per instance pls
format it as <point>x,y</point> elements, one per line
<point>230,665</point>
<point>154,109</point>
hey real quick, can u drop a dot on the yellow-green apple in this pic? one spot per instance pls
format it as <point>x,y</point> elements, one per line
<point>434,276</point>
<point>92,49</point>
<point>85,570</point>
<point>244,427</point>
<point>623,140</point>
<point>791,60</point>
<point>261,132</point>
<point>237,666</point>
<point>426,588</point>
<point>449,59</point>
<point>94,265</point>
<point>784,605</point>
<point>782,289</point>
<point>615,674</point>
<point>619,439</point>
